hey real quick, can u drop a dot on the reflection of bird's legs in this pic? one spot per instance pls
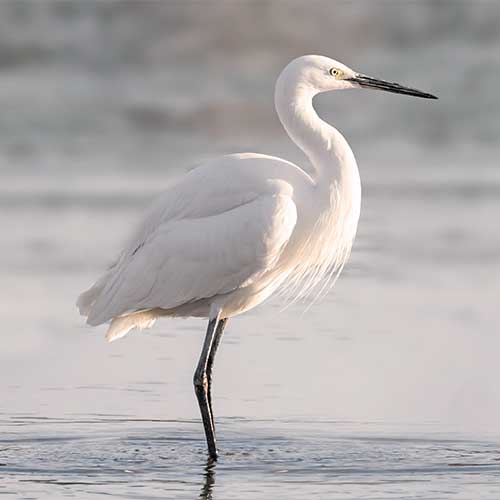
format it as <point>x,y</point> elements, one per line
<point>208,483</point>
<point>215,344</point>
<point>200,381</point>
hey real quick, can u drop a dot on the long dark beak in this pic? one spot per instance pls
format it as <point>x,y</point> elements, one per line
<point>367,82</point>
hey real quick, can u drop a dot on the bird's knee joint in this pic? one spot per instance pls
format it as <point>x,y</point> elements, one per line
<point>200,380</point>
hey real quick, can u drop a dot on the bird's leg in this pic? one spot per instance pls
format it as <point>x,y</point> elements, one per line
<point>200,381</point>
<point>218,336</point>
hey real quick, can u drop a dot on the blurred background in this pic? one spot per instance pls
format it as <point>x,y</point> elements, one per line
<point>103,102</point>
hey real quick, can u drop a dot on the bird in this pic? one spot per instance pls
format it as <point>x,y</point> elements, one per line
<point>231,232</point>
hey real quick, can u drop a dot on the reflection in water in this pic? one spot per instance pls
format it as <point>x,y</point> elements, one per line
<point>209,480</point>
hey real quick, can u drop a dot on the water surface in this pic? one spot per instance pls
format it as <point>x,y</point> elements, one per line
<point>87,456</point>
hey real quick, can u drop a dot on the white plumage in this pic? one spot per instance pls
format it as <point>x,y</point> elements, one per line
<point>183,253</point>
<point>229,233</point>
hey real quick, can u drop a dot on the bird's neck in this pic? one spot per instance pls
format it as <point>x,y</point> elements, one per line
<point>329,153</point>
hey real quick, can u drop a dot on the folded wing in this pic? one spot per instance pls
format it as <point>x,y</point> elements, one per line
<point>181,260</point>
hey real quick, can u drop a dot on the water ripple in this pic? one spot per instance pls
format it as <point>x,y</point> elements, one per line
<point>140,458</point>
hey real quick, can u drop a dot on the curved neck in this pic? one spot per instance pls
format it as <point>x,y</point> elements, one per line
<point>324,145</point>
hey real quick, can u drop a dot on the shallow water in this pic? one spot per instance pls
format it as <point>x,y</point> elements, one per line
<point>112,455</point>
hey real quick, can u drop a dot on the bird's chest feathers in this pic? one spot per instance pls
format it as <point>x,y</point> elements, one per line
<point>325,240</point>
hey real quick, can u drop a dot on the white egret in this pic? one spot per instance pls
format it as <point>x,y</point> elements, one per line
<point>229,233</point>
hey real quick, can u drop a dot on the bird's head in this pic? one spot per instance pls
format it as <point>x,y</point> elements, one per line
<point>322,74</point>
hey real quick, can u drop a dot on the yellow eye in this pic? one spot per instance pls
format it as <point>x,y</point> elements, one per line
<point>337,73</point>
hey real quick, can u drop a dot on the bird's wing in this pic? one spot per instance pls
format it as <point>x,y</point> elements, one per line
<point>180,260</point>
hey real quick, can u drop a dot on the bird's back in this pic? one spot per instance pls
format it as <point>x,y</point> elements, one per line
<point>218,229</point>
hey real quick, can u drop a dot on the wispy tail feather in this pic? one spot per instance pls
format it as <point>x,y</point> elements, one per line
<point>121,325</point>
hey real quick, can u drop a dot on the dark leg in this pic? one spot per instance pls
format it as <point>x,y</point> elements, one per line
<point>218,336</point>
<point>200,381</point>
